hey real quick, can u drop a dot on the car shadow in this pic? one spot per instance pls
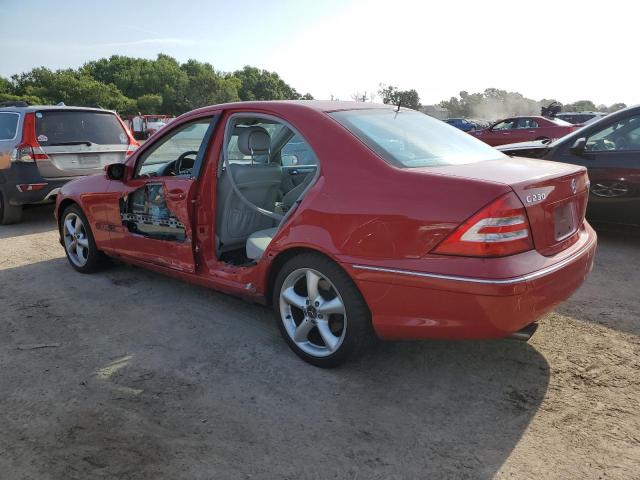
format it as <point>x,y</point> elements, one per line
<point>157,378</point>
<point>610,294</point>
<point>35,219</point>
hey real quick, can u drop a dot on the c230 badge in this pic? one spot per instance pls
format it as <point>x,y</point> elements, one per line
<point>537,195</point>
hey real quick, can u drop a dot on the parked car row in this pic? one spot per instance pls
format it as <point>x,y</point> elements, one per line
<point>610,149</point>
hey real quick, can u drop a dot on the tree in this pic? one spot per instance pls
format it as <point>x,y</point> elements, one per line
<point>205,86</point>
<point>150,103</point>
<point>259,84</point>
<point>72,88</point>
<point>406,98</point>
<point>363,96</point>
<point>5,86</point>
<point>580,106</point>
<point>615,107</point>
<point>307,96</point>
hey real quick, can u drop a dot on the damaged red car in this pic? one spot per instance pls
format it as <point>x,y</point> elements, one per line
<point>351,219</point>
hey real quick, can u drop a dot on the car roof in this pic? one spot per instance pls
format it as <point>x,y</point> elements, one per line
<point>316,105</point>
<point>39,108</point>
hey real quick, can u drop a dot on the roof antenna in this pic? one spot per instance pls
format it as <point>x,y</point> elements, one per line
<point>399,105</point>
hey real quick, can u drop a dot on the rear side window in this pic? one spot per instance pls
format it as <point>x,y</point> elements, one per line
<point>8,125</point>
<point>59,127</point>
<point>412,139</point>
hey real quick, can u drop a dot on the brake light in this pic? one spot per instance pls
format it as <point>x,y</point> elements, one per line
<point>499,229</point>
<point>132,148</point>
<point>28,150</point>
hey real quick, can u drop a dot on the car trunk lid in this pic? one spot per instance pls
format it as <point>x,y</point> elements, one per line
<point>554,195</point>
<point>78,142</point>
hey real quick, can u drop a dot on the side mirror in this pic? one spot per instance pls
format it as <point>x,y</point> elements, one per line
<point>579,146</point>
<point>115,171</point>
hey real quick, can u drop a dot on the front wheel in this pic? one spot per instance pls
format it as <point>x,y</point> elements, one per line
<point>320,311</point>
<point>79,245</point>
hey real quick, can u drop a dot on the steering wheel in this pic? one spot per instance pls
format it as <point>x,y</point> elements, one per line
<point>177,165</point>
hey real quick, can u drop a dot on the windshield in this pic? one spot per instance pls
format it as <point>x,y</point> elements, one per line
<point>8,125</point>
<point>411,139</point>
<point>60,127</point>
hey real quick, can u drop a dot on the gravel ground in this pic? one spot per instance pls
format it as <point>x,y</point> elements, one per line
<point>131,375</point>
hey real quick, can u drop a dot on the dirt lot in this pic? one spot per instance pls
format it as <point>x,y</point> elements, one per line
<point>130,375</point>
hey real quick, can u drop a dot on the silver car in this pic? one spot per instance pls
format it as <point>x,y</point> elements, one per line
<point>43,147</point>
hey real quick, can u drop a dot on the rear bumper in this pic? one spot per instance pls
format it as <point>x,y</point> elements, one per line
<point>27,173</point>
<point>419,305</point>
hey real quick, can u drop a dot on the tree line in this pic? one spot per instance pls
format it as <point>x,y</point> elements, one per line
<point>129,85</point>
<point>164,85</point>
<point>491,104</point>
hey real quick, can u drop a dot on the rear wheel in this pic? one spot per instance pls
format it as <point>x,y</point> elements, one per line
<point>320,312</point>
<point>79,245</point>
<point>9,213</point>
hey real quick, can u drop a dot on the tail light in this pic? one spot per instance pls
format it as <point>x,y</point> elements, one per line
<point>28,150</point>
<point>133,144</point>
<point>132,148</point>
<point>499,229</point>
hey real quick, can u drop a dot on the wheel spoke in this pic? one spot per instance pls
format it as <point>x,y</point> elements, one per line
<point>78,225</point>
<point>302,331</point>
<point>312,285</point>
<point>68,225</point>
<point>332,306</point>
<point>329,339</point>
<point>84,242</point>
<point>80,252</point>
<point>292,298</point>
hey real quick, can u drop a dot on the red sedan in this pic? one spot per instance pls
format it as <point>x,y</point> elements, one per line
<point>524,129</point>
<point>395,224</point>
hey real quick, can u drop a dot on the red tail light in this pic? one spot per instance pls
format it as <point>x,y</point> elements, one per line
<point>499,229</point>
<point>132,148</point>
<point>28,150</point>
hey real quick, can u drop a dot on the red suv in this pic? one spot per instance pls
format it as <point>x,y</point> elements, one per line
<point>524,129</point>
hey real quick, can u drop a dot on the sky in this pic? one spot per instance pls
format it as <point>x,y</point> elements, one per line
<point>564,49</point>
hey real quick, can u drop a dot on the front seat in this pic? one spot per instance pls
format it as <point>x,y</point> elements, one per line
<point>257,182</point>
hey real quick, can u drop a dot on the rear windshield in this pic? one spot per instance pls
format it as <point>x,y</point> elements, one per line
<point>411,139</point>
<point>8,125</point>
<point>71,127</point>
<point>560,122</point>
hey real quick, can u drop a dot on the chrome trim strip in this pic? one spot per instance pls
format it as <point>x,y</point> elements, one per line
<point>506,281</point>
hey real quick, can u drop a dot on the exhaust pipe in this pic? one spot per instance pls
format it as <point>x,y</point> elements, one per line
<point>526,333</point>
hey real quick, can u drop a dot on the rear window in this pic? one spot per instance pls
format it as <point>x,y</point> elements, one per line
<point>411,139</point>
<point>71,127</point>
<point>560,122</point>
<point>8,125</point>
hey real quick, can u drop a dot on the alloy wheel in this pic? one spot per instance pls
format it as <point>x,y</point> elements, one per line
<point>76,241</point>
<point>313,312</point>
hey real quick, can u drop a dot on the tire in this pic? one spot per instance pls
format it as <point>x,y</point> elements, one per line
<point>9,213</point>
<point>325,337</point>
<point>79,244</point>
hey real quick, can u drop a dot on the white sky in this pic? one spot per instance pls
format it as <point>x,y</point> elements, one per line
<point>569,50</point>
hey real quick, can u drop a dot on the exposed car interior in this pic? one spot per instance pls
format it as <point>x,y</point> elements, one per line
<point>265,170</point>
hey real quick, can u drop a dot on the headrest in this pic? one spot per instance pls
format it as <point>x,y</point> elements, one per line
<point>254,141</point>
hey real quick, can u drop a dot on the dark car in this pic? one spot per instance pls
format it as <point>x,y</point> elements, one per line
<point>610,149</point>
<point>580,118</point>
<point>461,124</point>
